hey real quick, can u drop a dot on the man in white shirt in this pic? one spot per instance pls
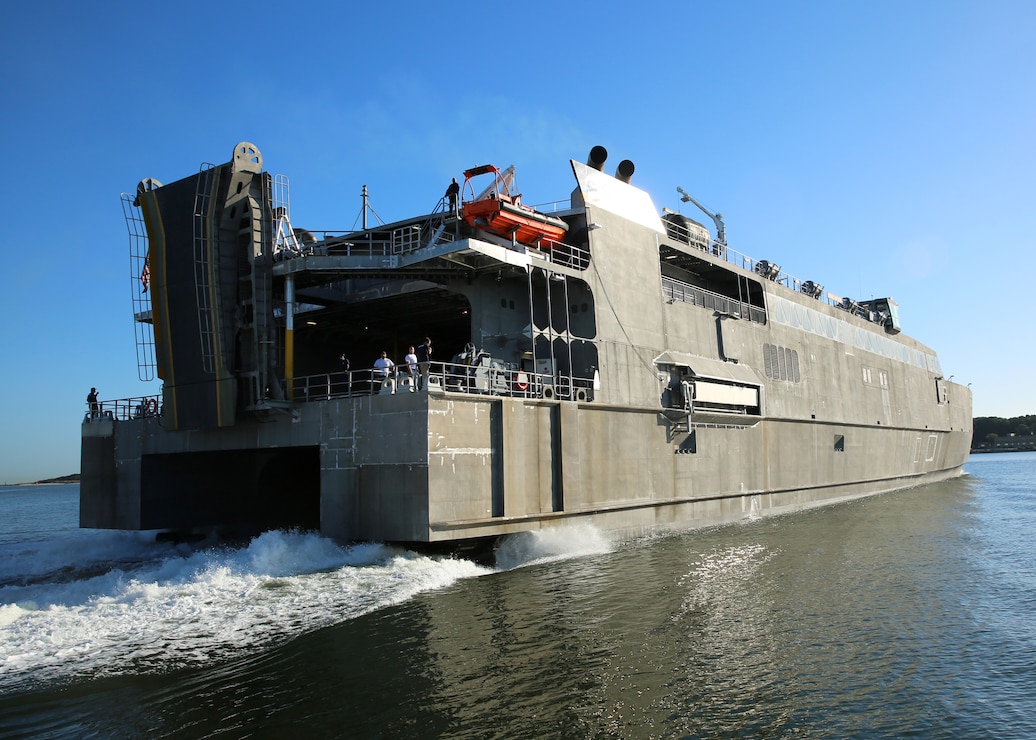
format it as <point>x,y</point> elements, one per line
<point>382,369</point>
<point>411,368</point>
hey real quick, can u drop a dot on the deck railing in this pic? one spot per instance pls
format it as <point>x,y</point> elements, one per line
<point>123,409</point>
<point>437,229</point>
<point>764,268</point>
<point>676,290</point>
<point>443,376</point>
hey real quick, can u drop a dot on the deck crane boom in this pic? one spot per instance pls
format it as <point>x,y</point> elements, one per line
<point>717,218</point>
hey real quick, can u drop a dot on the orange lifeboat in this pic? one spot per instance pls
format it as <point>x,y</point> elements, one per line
<point>499,212</point>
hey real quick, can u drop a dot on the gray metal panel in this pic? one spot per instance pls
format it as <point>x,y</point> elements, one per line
<point>704,367</point>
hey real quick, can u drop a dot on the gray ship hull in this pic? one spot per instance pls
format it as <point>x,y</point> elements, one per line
<point>439,467</point>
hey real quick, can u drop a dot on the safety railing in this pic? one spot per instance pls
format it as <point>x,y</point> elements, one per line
<point>442,376</point>
<point>676,290</point>
<point>553,206</point>
<point>123,409</point>
<point>566,255</point>
<point>436,229</point>
<point>764,268</point>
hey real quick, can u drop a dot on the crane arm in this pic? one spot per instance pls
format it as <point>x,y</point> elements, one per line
<point>717,218</point>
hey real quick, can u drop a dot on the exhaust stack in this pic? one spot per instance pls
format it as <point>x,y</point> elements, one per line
<point>624,171</point>
<point>597,156</point>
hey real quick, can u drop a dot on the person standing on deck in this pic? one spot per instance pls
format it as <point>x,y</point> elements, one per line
<point>452,193</point>
<point>91,399</point>
<point>411,367</point>
<point>382,368</point>
<point>424,357</point>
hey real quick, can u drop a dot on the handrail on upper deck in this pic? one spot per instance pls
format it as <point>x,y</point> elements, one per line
<point>448,377</point>
<point>765,269</point>
<point>124,409</point>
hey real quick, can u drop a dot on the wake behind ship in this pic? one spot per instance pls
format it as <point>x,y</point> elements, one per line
<point>592,361</point>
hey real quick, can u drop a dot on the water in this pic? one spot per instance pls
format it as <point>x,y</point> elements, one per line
<point>904,615</point>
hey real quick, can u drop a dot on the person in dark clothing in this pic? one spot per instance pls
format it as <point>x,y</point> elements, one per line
<point>91,399</point>
<point>424,357</point>
<point>452,193</point>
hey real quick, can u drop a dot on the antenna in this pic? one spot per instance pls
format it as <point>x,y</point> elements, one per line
<point>367,207</point>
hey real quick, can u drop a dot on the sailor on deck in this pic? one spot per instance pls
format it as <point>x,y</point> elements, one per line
<point>382,368</point>
<point>91,399</point>
<point>424,357</point>
<point>452,193</point>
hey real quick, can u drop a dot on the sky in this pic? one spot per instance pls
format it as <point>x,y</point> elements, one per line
<point>879,148</point>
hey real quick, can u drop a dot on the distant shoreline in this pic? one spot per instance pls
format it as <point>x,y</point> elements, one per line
<point>74,478</point>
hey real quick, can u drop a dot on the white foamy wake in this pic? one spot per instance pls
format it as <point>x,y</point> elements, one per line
<point>156,607</point>
<point>532,548</point>
<point>101,603</point>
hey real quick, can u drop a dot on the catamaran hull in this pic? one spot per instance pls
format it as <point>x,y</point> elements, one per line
<point>439,467</point>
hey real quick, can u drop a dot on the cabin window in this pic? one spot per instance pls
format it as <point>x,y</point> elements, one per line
<point>839,443</point>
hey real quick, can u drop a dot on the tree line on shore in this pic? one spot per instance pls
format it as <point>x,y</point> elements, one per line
<point>990,428</point>
<point>73,478</point>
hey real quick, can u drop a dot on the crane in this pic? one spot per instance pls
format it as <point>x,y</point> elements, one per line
<point>717,218</point>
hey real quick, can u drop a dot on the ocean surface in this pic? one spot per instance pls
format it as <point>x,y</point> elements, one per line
<point>907,615</point>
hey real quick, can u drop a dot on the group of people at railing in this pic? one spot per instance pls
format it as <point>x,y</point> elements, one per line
<point>383,374</point>
<point>470,371</point>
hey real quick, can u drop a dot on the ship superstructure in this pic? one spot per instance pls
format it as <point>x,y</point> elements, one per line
<point>593,361</point>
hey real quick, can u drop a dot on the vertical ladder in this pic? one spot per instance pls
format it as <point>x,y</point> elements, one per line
<point>140,283</point>
<point>206,289</point>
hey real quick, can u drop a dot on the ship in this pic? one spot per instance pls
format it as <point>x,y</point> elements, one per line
<point>595,361</point>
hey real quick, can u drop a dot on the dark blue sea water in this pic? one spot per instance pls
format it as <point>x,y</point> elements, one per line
<point>911,614</point>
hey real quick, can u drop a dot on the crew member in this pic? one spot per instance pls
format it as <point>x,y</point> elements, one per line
<point>91,399</point>
<point>382,369</point>
<point>452,193</point>
<point>424,357</point>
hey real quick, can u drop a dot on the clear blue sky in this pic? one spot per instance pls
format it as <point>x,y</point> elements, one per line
<point>879,148</point>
